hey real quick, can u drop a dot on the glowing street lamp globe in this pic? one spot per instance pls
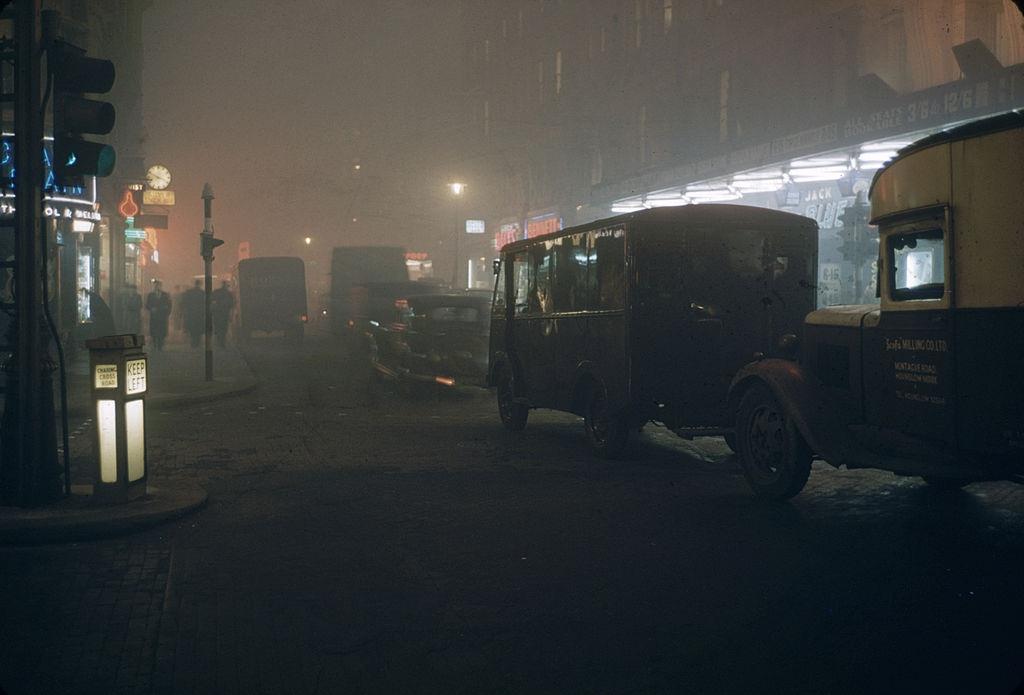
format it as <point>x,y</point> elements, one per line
<point>457,188</point>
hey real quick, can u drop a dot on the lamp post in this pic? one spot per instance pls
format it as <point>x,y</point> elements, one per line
<point>457,190</point>
<point>207,243</point>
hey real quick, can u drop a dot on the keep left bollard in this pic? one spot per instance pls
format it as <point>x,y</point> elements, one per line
<point>118,369</point>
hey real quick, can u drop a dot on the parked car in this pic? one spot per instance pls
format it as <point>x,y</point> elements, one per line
<point>439,338</point>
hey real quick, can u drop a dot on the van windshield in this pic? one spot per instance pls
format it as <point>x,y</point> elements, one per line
<point>918,265</point>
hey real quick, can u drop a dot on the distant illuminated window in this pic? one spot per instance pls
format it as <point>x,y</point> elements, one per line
<point>917,265</point>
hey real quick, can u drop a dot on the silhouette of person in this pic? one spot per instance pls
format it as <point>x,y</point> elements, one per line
<point>158,304</point>
<point>193,311</point>
<point>223,302</point>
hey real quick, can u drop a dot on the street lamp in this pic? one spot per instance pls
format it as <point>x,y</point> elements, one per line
<point>457,189</point>
<point>308,240</point>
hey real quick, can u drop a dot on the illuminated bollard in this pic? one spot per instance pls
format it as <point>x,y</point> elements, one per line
<point>118,368</point>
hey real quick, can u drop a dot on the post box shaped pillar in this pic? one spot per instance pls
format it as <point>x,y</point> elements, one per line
<point>118,373</point>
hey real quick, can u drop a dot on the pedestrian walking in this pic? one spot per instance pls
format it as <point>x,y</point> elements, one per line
<point>158,304</point>
<point>223,303</point>
<point>132,310</point>
<point>193,313</point>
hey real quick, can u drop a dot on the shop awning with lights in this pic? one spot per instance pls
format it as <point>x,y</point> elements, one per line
<point>854,146</point>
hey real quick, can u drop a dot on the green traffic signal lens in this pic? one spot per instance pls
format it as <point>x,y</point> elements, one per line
<point>105,161</point>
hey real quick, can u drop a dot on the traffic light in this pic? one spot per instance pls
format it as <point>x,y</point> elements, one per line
<point>73,74</point>
<point>207,243</point>
<point>858,241</point>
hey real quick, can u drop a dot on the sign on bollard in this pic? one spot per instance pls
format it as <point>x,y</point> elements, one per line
<point>119,384</point>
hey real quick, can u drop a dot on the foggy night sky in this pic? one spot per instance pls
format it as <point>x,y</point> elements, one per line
<point>272,102</point>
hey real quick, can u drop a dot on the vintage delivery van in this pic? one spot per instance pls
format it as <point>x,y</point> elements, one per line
<point>931,381</point>
<point>646,316</point>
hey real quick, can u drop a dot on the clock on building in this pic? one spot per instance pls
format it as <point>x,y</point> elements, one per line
<point>158,177</point>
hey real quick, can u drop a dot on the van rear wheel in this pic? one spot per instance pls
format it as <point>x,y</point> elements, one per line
<point>776,460</point>
<point>513,415</point>
<point>607,432</point>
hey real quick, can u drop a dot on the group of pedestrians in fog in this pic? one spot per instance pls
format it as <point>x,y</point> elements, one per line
<point>188,309</point>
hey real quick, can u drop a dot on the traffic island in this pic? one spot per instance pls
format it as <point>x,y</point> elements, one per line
<point>81,517</point>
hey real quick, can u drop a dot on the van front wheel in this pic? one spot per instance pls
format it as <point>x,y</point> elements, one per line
<point>776,460</point>
<point>513,415</point>
<point>607,432</point>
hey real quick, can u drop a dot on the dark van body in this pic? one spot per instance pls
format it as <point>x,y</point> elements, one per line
<point>357,265</point>
<point>272,296</point>
<point>647,316</point>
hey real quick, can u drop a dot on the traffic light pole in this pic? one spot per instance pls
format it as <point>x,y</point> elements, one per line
<point>30,473</point>
<point>207,251</point>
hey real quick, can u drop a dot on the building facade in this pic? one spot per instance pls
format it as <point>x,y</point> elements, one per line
<point>581,110</point>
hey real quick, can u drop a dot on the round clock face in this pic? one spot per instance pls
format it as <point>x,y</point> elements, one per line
<point>158,177</point>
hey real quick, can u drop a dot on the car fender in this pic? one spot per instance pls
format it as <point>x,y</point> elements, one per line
<point>802,397</point>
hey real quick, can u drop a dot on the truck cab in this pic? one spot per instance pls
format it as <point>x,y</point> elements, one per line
<point>928,382</point>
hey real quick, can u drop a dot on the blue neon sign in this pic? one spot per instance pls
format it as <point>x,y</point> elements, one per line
<point>50,186</point>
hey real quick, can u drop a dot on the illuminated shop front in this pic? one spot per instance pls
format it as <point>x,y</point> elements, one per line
<point>70,219</point>
<point>141,253</point>
<point>819,172</point>
<point>419,265</point>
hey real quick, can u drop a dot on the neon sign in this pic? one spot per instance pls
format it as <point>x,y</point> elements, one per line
<point>68,202</point>
<point>128,207</point>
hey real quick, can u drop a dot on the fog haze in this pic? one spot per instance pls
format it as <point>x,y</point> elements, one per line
<point>274,103</point>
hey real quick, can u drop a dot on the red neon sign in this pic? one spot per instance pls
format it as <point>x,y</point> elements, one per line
<point>128,207</point>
